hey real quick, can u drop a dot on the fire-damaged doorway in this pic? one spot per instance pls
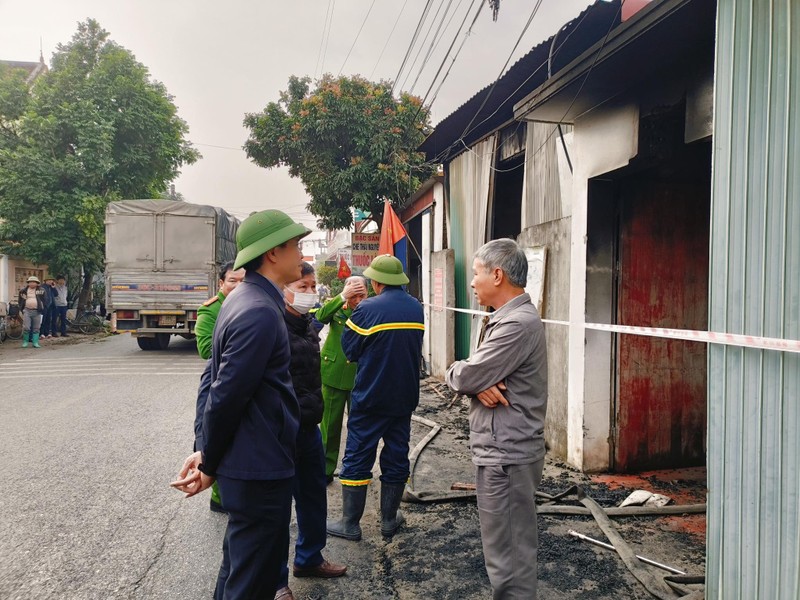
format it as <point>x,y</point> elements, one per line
<point>648,259</point>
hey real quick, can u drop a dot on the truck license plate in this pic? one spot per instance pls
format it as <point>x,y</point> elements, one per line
<point>167,320</point>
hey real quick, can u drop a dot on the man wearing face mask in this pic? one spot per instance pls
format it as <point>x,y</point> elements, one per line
<point>309,490</point>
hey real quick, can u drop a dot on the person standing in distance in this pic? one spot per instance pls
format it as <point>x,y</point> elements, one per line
<point>507,380</point>
<point>204,334</point>
<point>384,335</point>
<point>251,417</point>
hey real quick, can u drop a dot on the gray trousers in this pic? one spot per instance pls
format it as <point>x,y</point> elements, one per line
<point>510,538</point>
<point>31,321</point>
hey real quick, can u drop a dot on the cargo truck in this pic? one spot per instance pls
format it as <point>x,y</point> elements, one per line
<point>162,259</point>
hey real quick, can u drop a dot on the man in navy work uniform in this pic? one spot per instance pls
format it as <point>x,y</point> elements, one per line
<point>384,335</point>
<point>252,416</point>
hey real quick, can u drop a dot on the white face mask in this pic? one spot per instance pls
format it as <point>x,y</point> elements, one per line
<point>304,302</point>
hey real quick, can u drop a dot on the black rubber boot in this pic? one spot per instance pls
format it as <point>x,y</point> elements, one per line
<point>353,500</point>
<point>391,517</point>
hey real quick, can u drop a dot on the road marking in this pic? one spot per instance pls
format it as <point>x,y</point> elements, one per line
<point>111,374</point>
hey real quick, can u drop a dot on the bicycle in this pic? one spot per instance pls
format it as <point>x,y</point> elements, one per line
<point>87,322</point>
<point>12,323</point>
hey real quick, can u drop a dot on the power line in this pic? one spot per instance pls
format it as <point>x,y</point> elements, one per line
<point>443,154</point>
<point>327,39</point>
<point>217,146</point>
<point>422,43</point>
<point>396,21</point>
<point>435,43</point>
<point>322,39</point>
<point>413,41</point>
<point>447,55</point>
<point>505,65</point>
<point>357,35</point>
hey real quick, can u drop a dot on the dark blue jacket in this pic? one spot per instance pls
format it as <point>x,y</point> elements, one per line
<point>384,334</point>
<point>251,416</point>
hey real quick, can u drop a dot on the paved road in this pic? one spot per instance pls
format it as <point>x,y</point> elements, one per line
<point>91,435</point>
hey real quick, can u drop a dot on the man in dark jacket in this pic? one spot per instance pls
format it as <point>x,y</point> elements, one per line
<point>310,493</point>
<point>252,416</point>
<point>47,318</point>
<point>384,334</point>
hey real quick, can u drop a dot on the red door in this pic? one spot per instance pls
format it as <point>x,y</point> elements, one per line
<point>663,282</point>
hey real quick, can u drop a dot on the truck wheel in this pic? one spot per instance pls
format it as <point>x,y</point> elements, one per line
<point>146,343</point>
<point>162,341</point>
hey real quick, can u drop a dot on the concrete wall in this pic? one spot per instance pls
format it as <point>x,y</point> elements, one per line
<point>555,236</point>
<point>606,139</point>
<point>441,332</point>
<point>13,274</point>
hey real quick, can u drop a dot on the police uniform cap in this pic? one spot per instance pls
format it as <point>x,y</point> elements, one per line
<point>263,231</point>
<point>386,269</point>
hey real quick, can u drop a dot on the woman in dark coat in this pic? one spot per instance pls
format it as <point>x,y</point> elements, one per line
<point>310,485</point>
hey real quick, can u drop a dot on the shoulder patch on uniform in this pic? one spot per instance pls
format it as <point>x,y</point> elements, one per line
<point>211,301</point>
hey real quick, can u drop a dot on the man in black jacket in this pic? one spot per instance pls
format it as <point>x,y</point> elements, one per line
<point>310,493</point>
<point>251,416</point>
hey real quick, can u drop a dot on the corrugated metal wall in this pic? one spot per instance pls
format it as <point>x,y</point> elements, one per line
<point>754,404</point>
<point>469,176</point>
<point>546,174</point>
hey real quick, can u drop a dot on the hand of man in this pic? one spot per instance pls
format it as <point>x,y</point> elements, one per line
<point>352,288</point>
<point>492,396</point>
<point>191,480</point>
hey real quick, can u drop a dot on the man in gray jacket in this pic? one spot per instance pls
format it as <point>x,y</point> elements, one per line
<point>507,380</point>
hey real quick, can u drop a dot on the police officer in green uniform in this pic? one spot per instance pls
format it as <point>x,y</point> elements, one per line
<point>204,334</point>
<point>338,374</point>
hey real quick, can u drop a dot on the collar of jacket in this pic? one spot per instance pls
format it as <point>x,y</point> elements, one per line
<point>298,324</point>
<point>509,306</point>
<point>268,286</point>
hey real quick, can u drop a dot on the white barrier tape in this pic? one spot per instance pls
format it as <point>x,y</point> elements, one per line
<point>710,337</point>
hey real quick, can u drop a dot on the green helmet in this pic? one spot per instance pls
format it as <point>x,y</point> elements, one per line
<point>386,269</point>
<point>263,231</point>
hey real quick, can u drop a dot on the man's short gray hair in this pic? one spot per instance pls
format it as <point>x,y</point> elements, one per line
<point>357,277</point>
<point>507,256</point>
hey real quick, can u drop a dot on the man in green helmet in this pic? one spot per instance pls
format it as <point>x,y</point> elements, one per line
<point>384,334</point>
<point>251,416</point>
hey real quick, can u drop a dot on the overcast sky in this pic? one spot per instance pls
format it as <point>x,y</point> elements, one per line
<point>223,59</point>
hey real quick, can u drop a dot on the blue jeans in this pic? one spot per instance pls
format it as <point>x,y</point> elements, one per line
<point>364,431</point>
<point>310,502</point>
<point>47,320</point>
<point>257,538</point>
<point>61,314</point>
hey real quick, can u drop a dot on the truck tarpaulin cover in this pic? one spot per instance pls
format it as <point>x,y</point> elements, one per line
<point>162,254</point>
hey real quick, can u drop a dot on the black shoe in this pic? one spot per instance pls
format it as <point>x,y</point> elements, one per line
<point>216,507</point>
<point>329,479</point>
<point>64,335</point>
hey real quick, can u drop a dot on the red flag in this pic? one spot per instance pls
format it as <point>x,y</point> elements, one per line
<point>344,269</point>
<point>392,230</point>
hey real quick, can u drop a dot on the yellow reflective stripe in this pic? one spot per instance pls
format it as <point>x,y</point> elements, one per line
<point>384,327</point>
<point>355,482</point>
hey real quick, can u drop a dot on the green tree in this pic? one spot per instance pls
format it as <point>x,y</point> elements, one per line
<point>326,274</point>
<point>93,129</point>
<point>351,143</point>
